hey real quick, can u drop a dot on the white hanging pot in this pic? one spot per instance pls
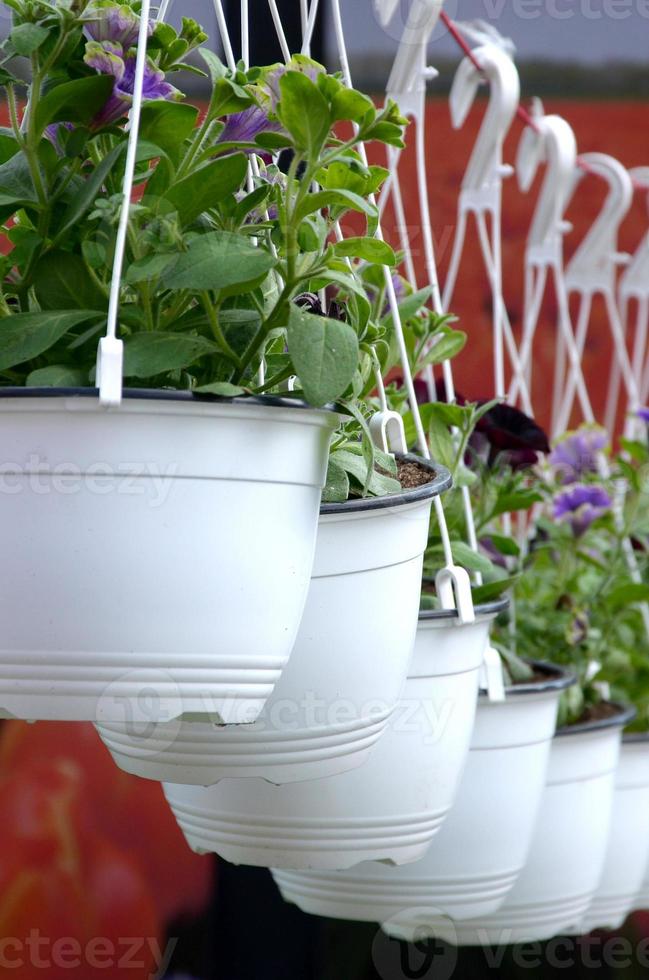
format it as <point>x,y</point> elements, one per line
<point>391,808</point>
<point>137,541</point>
<point>627,853</point>
<point>474,860</point>
<point>337,693</point>
<point>565,862</point>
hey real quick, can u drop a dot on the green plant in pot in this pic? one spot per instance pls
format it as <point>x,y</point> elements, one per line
<point>212,470</point>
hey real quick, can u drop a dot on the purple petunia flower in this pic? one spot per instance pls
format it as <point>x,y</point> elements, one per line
<point>105,20</point>
<point>576,455</point>
<point>246,126</point>
<point>53,133</point>
<point>581,505</point>
<point>643,413</point>
<point>109,58</point>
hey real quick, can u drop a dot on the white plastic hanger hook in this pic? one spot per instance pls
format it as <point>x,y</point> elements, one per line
<point>593,271</point>
<point>485,169</point>
<point>593,267</point>
<point>453,587</point>
<point>481,193</point>
<point>492,675</point>
<point>387,428</point>
<point>553,142</point>
<point>407,83</point>
<point>634,285</point>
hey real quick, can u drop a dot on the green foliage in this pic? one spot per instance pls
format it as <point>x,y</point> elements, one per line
<point>218,251</point>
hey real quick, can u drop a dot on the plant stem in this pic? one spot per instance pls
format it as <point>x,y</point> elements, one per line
<point>219,336</point>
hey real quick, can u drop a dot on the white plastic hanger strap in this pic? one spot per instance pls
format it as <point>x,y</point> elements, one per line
<point>110,356</point>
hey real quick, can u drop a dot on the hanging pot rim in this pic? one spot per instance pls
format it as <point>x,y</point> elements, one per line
<point>167,395</point>
<point>492,608</point>
<point>559,678</point>
<point>636,738</point>
<point>443,481</point>
<point>625,714</point>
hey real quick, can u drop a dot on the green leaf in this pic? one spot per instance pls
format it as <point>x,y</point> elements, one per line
<point>356,465</point>
<point>62,282</point>
<point>27,38</point>
<point>468,558</point>
<point>77,101</point>
<point>26,335</point>
<point>410,306</point>
<point>168,124</point>
<point>85,198</point>
<point>447,347</point>
<point>8,145</point>
<point>347,103</point>
<point>222,388</point>
<point>493,590</point>
<point>148,268</point>
<point>324,353</point>
<point>336,489</point>
<point>368,448</point>
<point>627,594</point>
<point>505,545</point>
<point>206,187</point>
<point>219,260</point>
<point>304,112</point>
<point>151,353</point>
<point>509,503</point>
<point>335,199</point>
<point>16,184</point>
<point>57,376</point>
<point>273,141</point>
<point>370,249</point>
<point>227,95</point>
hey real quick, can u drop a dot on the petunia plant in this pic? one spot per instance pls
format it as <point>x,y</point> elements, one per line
<point>236,214</point>
<point>583,575</point>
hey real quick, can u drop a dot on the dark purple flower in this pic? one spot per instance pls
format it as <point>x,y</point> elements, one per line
<point>311,303</point>
<point>105,20</point>
<point>246,126</point>
<point>643,413</point>
<point>576,455</point>
<point>108,58</point>
<point>581,505</point>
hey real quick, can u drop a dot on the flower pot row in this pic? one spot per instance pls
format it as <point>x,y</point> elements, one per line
<point>336,696</point>
<point>548,837</point>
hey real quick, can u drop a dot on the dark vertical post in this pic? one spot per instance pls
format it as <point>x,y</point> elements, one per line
<point>264,47</point>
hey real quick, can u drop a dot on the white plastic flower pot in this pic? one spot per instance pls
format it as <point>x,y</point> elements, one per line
<point>473,861</point>
<point>627,853</point>
<point>137,541</point>
<point>341,686</point>
<point>560,879</point>
<point>391,808</point>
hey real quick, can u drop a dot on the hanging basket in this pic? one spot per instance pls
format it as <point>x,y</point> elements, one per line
<point>391,808</point>
<point>337,694</point>
<point>482,845</point>
<point>561,876</point>
<point>138,540</point>
<point>627,854</point>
